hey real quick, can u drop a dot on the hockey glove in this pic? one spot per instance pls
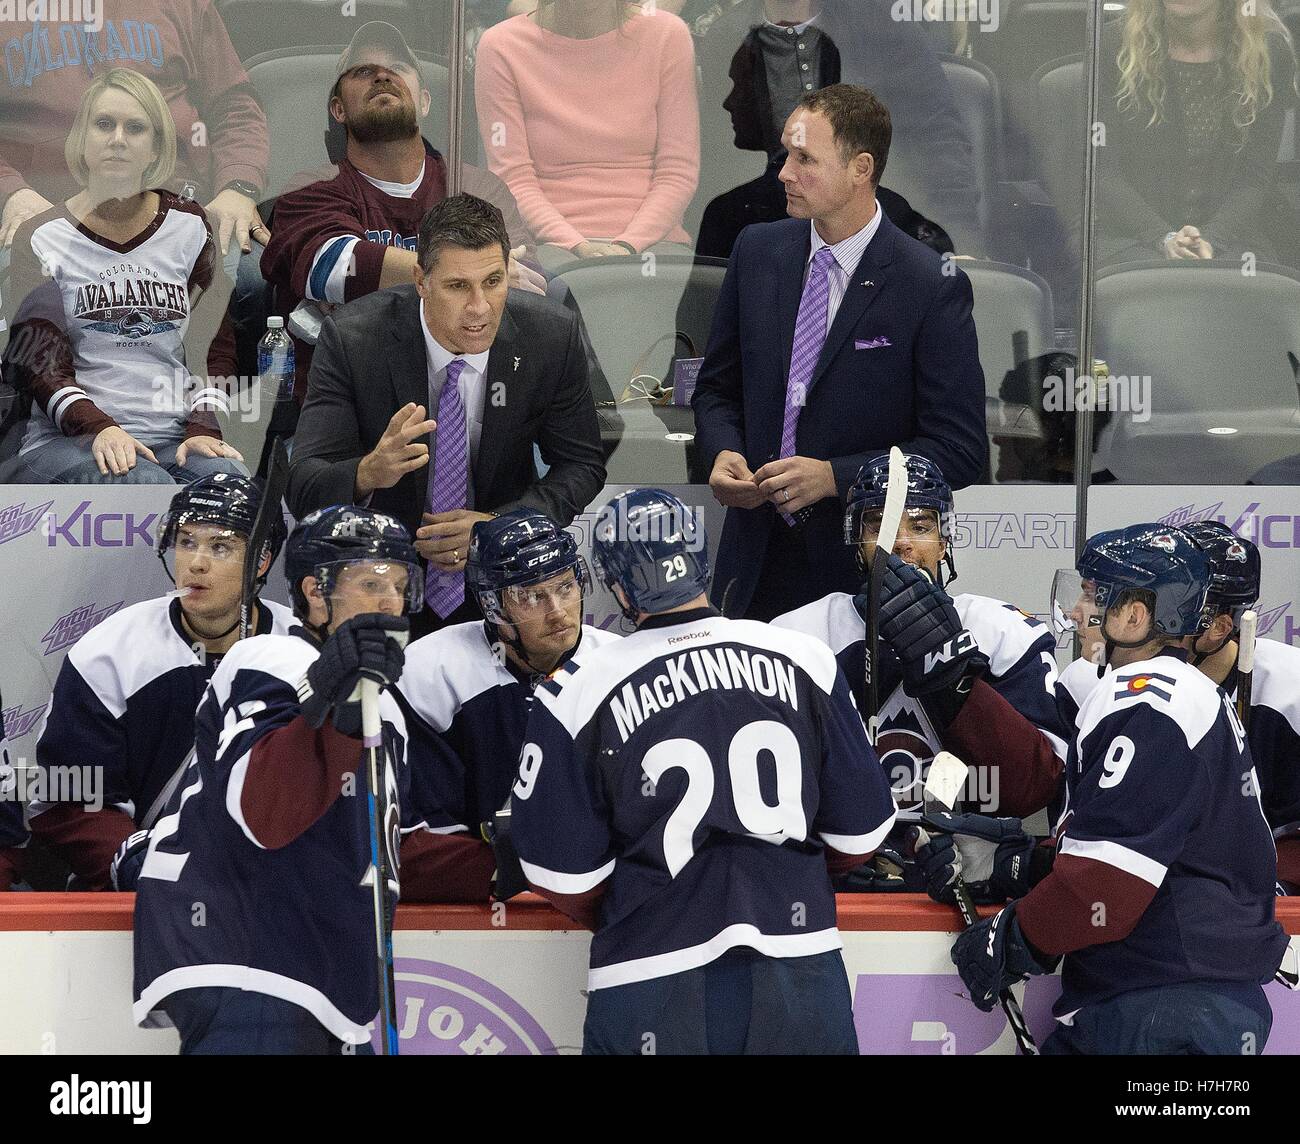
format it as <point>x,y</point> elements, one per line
<point>885,872</point>
<point>362,647</point>
<point>992,955</point>
<point>919,623</point>
<point>127,863</point>
<point>509,878</point>
<point>991,854</point>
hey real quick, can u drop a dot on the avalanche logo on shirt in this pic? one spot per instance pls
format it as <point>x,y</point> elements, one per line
<point>1132,685</point>
<point>131,307</point>
<point>906,746</point>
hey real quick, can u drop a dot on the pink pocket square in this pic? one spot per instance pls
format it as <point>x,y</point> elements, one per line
<point>871,343</point>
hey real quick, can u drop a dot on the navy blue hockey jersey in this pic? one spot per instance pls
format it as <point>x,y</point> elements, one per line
<point>125,699</point>
<point>295,920</point>
<point>702,765</point>
<point>1022,669</point>
<point>1163,829</point>
<point>466,707</point>
<point>1274,725</point>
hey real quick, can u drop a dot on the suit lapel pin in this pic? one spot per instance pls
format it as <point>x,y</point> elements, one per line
<point>517,361</point>
<point>868,282</point>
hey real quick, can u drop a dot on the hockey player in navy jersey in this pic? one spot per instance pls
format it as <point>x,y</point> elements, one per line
<point>13,830</point>
<point>125,696</point>
<point>963,673</point>
<point>467,689</point>
<point>683,792</point>
<point>1274,729</point>
<point>272,834</point>
<point>1160,899</point>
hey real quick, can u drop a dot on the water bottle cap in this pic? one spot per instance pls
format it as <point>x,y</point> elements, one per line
<point>275,322</point>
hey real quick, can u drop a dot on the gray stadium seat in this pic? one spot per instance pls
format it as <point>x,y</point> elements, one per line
<point>1013,318</point>
<point>1222,351</point>
<point>293,86</point>
<point>1059,134</point>
<point>631,318</point>
<point>975,94</point>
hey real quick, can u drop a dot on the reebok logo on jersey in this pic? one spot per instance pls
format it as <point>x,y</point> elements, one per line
<point>960,644</point>
<point>1133,685</point>
<point>77,1097</point>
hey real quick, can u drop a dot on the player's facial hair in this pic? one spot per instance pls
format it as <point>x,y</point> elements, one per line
<point>384,124</point>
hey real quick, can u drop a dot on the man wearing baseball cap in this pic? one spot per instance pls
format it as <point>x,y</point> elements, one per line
<point>339,238</point>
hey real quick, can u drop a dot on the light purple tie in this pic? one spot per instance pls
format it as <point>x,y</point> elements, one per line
<point>809,337</point>
<point>449,488</point>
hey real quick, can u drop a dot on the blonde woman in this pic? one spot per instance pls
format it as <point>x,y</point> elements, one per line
<point>1196,93</point>
<point>104,285</point>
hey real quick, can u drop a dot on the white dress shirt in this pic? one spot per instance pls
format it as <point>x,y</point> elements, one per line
<point>847,254</point>
<point>472,387</point>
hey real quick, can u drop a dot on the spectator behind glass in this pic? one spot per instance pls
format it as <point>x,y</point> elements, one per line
<point>758,57</point>
<point>105,285</point>
<point>183,46</point>
<point>1196,96</point>
<point>587,110</point>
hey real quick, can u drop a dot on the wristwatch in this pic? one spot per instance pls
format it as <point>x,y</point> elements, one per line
<point>244,187</point>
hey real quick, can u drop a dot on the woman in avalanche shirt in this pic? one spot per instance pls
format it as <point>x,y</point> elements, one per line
<point>104,286</point>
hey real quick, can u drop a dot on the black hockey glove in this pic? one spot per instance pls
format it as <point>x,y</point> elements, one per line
<point>992,955</point>
<point>362,647</point>
<point>991,854</point>
<point>919,623</point>
<point>509,879</point>
<point>124,872</point>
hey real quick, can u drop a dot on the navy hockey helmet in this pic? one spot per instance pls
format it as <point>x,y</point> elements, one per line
<point>514,550</point>
<point>1156,558</point>
<point>1234,567</point>
<point>223,499</point>
<point>329,539</point>
<point>927,488</point>
<point>651,545</point>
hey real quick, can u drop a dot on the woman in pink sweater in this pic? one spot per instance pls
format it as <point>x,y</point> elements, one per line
<point>588,113</point>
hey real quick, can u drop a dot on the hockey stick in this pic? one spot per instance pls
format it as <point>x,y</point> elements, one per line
<point>1246,666</point>
<point>379,874</point>
<point>273,489</point>
<point>946,779</point>
<point>890,517</point>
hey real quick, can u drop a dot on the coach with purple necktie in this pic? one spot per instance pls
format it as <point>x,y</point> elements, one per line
<point>835,336</point>
<point>426,401</point>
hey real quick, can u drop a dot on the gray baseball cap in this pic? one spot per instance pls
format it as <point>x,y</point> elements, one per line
<point>376,34</point>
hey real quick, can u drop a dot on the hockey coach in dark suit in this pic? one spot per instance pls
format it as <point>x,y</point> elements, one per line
<point>426,401</point>
<point>835,336</point>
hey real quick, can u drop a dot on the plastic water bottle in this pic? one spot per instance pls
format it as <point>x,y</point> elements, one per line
<point>275,360</point>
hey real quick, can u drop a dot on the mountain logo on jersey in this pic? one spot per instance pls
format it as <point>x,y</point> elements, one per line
<point>18,722</point>
<point>18,520</point>
<point>446,1011</point>
<point>69,628</point>
<point>1151,681</point>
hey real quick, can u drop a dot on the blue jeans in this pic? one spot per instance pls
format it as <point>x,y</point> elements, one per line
<point>1190,1018</point>
<point>68,461</point>
<point>741,1003</point>
<point>232,1022</point>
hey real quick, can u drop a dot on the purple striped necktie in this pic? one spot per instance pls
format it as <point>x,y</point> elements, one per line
<point>449,487</point>
<point>809,337</point>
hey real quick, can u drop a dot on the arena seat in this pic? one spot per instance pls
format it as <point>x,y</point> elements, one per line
<point>1222,350</point>
<point>975,94</point>
<point>293,86</point>
<point>1058,132</point>
<point>632,319</point>
<point>1014,321</point>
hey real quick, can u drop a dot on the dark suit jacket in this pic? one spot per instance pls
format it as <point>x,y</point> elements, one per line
<point>924,391</point>
<point>370,361</point>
